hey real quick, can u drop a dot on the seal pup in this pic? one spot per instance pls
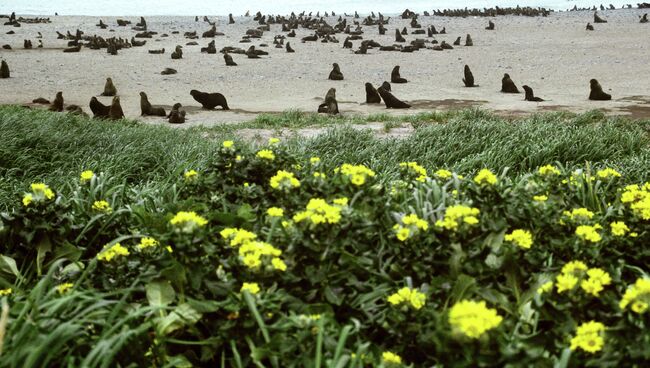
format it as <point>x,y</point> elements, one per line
<point>231,20</point>
<point>335,74</point>
<point>228,58</point>
<point>109,88</point>
<point>289,48</point>
<point>372,96</point>
<point>115,112</point>
<point>330,105</point>
<point>597,93</point>
<point>395,76</point>
<point>644,18</point>
<point>530,96</point>
<point>590,27</point>
<point>210,100</point>
<point>391,101</point>
<point>178,53</point>
<point>148,109</point>
<point>75,110</point>
<point>177,116</point>
<point>398,36</point>
<point>457,42</point>
<point>4,70</point>
<point>99,109</point>
<point>57,104</point>
<point>386,86</point>
<point>73,49</point>
<point>41,100</point>
<point>469,78</point>
<point>168,71</point>
<point>157,52</point>
<point>490,26</point>
<point>507,85</point>
<point>210,49</point>
<point>175,107</point>
<point>27,44</point>
<point>598,19</point>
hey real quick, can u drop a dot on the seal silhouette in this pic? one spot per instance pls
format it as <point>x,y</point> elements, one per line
<point>147,109</point>
<point>507,85</point>
<point>4,70</point>
<point>115,112</point>
<point>289,48</point>
<point>99,109</point>
<point>372,96</point>
<point>109,88</point>
<point>391,101</point>
<point>469,77</point>
<point>210,100</point>
<point>589,27</point>
<point>178,53</point>
<point>399,37</point>
<point>335,74</point>
<point>530,96</point>
<point>177,116</point>
<point>330,105</point>
<point>57,104</point>
<point>228,59</point>
<point>597,93</point>
<point>395,76</point>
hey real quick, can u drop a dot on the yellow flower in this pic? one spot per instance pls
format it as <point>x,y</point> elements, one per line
<point>565,282</point>
<point>574,268</point>
<point>408,296</point>
<point>589,337</point>
<point>40,188</point>
<point>314,160</point>
<point>472,318</point>
<point>545,287</point>
<point>27,199</point>
<point>284,180</point>
<point>588,233</point>
<point>619,228</point>
<point>62,288</point>
<point>343,201</point>
<point>191,175</point>
<point>402,233</point>
<point>522,238</point>
<point>86,176</point>
<point>608,173</point>
<point>319,175</point>
<point>228,144</point>
<point>5,292</point>
<point>579,214</point>
<point>639,306</point>
<point>485,177</point>
<point>237,237</point>
<point>273,141</point>
<point>40,193</point>
<point>638,295</point>
<point>102,206</point>
<point>548,170</point>
<point>454,215</point>
<point>266,155</point>
<point>116,250</point>
<point>147,243</point>
<point>187,222</point>
<point>318,211</point>
<point>391,358</point>
<point>443,174</point>
<point>540,198</point>
<point>252,288</point>
<point>278,264</point>
<point>357,174</point>
<point>275,212</point>
<point>416,170</point>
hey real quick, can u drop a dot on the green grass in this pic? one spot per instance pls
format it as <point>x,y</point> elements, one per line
<point>43,146</point>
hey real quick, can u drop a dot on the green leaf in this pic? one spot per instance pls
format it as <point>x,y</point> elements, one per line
<point>178,361</point>
<point>160,293</point>
<point>43,247</point>
<point>332,297</point>
<point>8,266</point>
<point>181,316</point>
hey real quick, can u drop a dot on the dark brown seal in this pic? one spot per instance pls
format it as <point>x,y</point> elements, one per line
<point>395,76</point>
<point>507,85</point>
<point>335,74</point>
<point>372,96</point>
<point>391,101</point>
<point>57,104</point>
<point>99,109</point>
<point>597,93</point>
<point>330,106</point>
<point>530,96</point>
<point>148,109</point>
<point>115,112</point>
<point>210,100</point>
<point>469,77</point>
<point>109,88</point>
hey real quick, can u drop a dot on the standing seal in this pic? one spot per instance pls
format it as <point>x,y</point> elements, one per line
<point>398,36</point>
<point>178,53</point>
<point>372,96</point>
<point>289,48</point>
<point>99,109</point>
<point>57,104</point>
<point>468,41</point>
<point>229,60</point>
<point>330,105</point>
<point>115,112</point>
<point>490,26</point>
<point>4,70</point>
<point>147,109</point>
<point>469,78</point>
<point>177,116</point>
<point>391,101</point>
<point>335,74</point>
<point>210,100</point>
<point>597,93</point>
<point>530,96</point>
<point>507,85</point>
<point>109,88</point>
<point>395,76</point>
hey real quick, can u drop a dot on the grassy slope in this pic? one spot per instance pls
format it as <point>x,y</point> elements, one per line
<point>42,146</point>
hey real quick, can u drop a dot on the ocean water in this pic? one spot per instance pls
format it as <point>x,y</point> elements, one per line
<point>239,7</point>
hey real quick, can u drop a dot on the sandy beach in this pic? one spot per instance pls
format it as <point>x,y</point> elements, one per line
<point>554,55</point>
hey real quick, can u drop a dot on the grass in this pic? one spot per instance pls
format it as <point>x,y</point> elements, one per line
<point>42,146</point>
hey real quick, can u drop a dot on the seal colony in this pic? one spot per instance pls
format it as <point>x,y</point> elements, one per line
<point>348,38</point>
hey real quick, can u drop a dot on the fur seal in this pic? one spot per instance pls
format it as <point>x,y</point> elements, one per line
<point>330,105</point>
<point>99,109</point>
<point>210,100</point>
<point>469,78</point>
<point>178,53</point>
<point>372,96</point>
<point>4,70</point>
<point>391,101</point>
<point>335,74</point>
<point>109,88</point>
<point>598,19</point>
<point>507,85</point>
<point>289,48</point>
<point>57,104</point>
<point>115,112</point>
<point>168,71</point>
<point>177,116</point>
<point>398,36</point>
<point>211,49</point>
<point>27,44</point>
<point>490,26</point>
<point>644,18</point>
<point>161,51</point>
<point>386,86</point>
<point>41,100</point>
<point>75,110</point>
<point>6,47</point>
<point>229,60</point>
<point>231,20</point>
<point>530,96</point>
<point>597,93</point>
<point>589,27</point>
<point>73,49</point>
<point>147,109</point>
<point>395,76</point>
<point>457,42</point>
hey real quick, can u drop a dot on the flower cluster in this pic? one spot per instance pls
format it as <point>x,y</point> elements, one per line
<point>40,193</point>
<point>187,222</point>
<point>638,198</point>
<point>86,176</point>
<point>114,251</point>
<point>266,154</point>
<point>408,296</point>
<point>608,173</point>
<point>592,280</point>
<point>578,215</point>
<point>102,207</point>
<point>318,211</point>
<point>589,337</point>
<point>5,292</point>
<point>63,288</point>
<point>284,180</point>
<point>473,319</point>
<point>485,177</point>
<point>409,227</point>
<point>391,358</point>
<point>275,212</point>
<point>521,238</point>
<point>357,174</point>
<point>637,296</point>
<point>413,169</point>
<point>146,243</point>
<point>589,233</point>
<point>191,176</point>
<point>455,216</point>
<point>252,253</point>
<point>619,228</point>
<point>251,287</point>
<point>443,174</point>
<point>548,170</point>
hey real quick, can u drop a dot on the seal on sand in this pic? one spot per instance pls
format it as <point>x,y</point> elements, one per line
<point>391,101</point>
<point>109,88</point>
<point>597,93</point>
<point>57,104</point>
<point>147,109</point>
<point>99,109</point>
<point>210,100</point>
<point>469,78</point>
<point>115,112</point>
<point>530,96</point>
<point>372,96</point>
<point>507,85</point>
<point>395,76</point>
<point>330,105</point>
<point>335,74</point>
